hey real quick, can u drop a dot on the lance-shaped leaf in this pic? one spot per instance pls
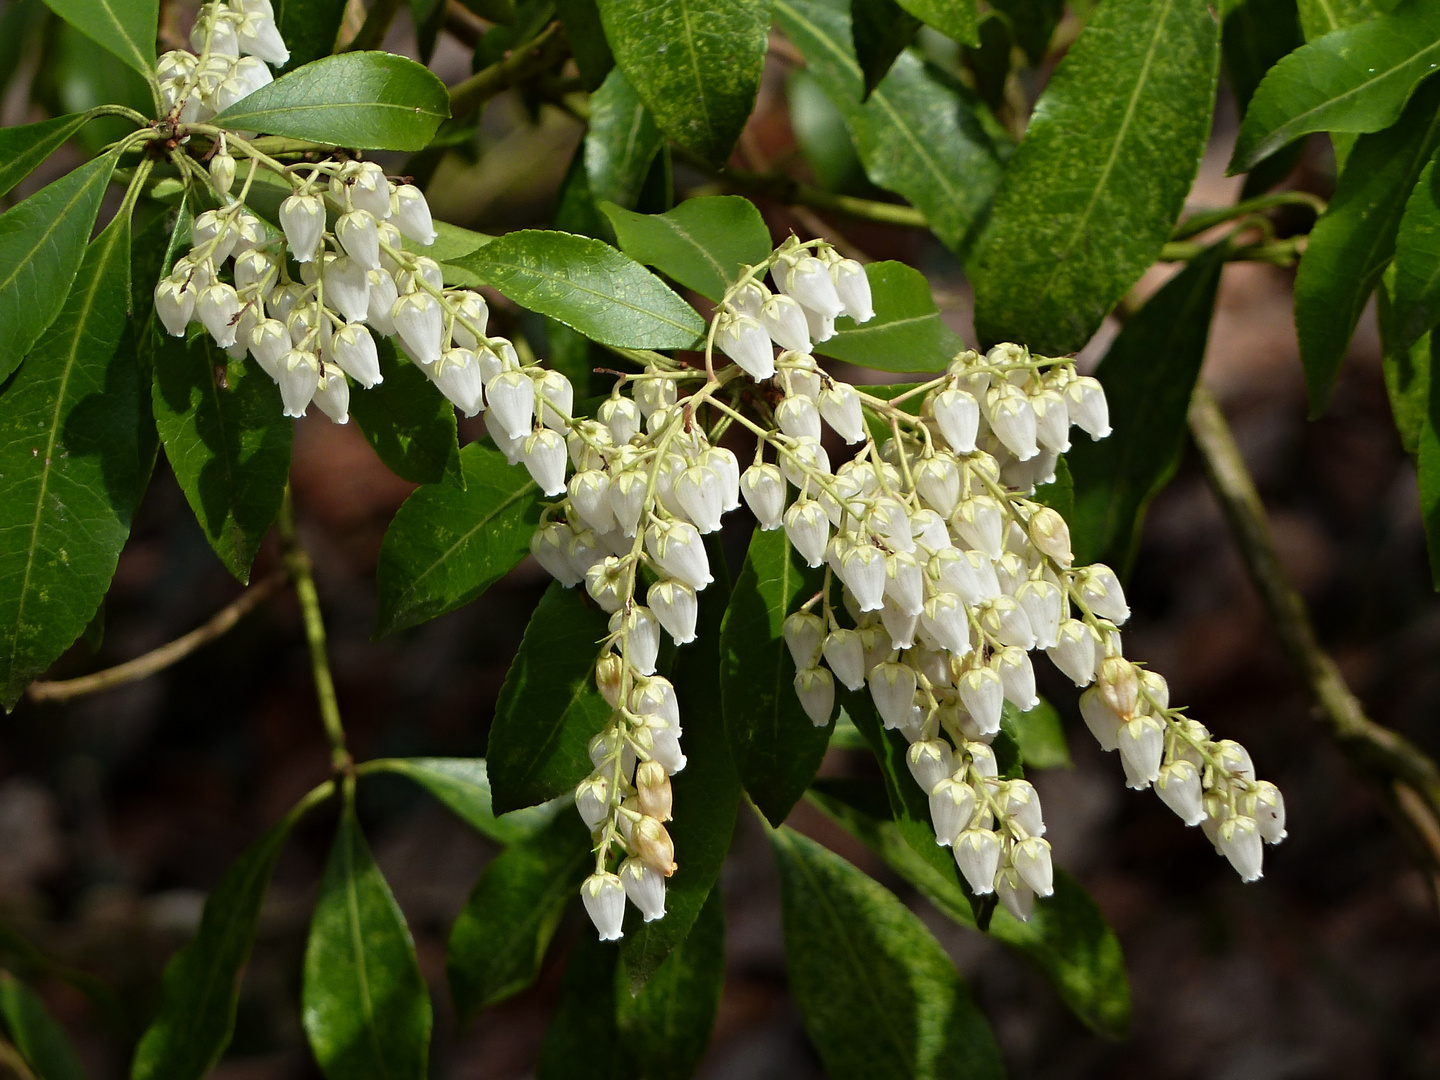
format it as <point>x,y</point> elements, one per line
<point>309,27</point>
<point>38,1036</point>
<point>1416,291</point>
<point>126,28</point>
<point>73,464</point>
<point>1354,239</point>
<point>582,1041</point>
<point>227,440</point>
<point>23,148</point>
<point>463,785</point>
<point>879,996</point>
<point>549,708</point>
<point>1356,79</point>
<point>956,19</point>
<point>369,100</point>
<point>201,985</point>
<point>365,1007</point>
<point>42,241</point>
<point>906,332</point>
<point>1091,194</point>
<point>695,63</point>
<point>775,747</point>
<point>500,936</point>
<point>589,286</point>
<point>410,424</point>
<point>703,243</point>
<point>1148,375</point>
<point>447,544</point>
<point>621,141</point>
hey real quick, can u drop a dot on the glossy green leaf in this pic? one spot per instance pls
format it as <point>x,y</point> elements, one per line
<point>365,1007</point>
<point>73,464</point>
<point>620,142</point>
<point>38,1036</point>
<point>126,28</point>
<point>1428,455</point>
<point>365,100</point>
<point>704,243</point>
<point>447,544</point>
<point>906,332</point>
<point>695,63</point>
<point>1354,239</point>
<point>1356,79</point>
<point>955,19</point>
<point>23,148</point>
<point>549,709</point>
<point>42,241</point>
<point>1039,734</point>
<point>775,747</point>
<point>588,285</point>
<point>1091,194</point>
<point>1148,375</point>
<point>879,30</point>
<point>463,785</point>
<point>409,422</point>
<point>587,40</point>
<point>878,995</point>
<point>1416,291</point>
<point>1321,17</point>
<point>310,28</point>
<point>201,985</point>
<point>500,936</point>
<point>582,1041</point>
<point>227,440</point>
<point>918,134</point>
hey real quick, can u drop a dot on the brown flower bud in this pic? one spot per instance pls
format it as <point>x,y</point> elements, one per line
<point>653,786</point>
<point>654,846</point>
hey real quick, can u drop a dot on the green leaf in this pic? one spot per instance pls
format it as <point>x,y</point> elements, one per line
<point>588,285</point>
<point>126,28</point>
<point>366,1009</point>
<point>666,1026</point>
<point>704,243</point>
<point>41,1040</point>
<point>409,423</point>
<point>1428,458</point>
<point>1354,239</point>
<point>500,936</point>
<point>1406,371</point>
<point>1321,17</point>
<point>956,19</point>
<point>42,241</point>
<point>227,440</point>
<point>695,63</point>
<point>447,544</point>
<point>879,996</point>
<point>880,30</point>
<point>620,142</point>
<point>1254,36</point>
<point>1033,23</point>
<point>73,465</point>
<point>822,134</point>
<point>906,332</point>
<point>309,27</point>
<point>549,708</point>
<point>586,36</point>
<point>1148,375</point>
<point>582,1041</point>
<point>918,134</point>
<point>1416,289</point>
<point>201,985</point>
<point>1039,735</point>
<point>23,148</point>
<point>775,747</point>
<point>1091,194</point>
<point>1356,79</point>
<point>364,100</point>
<point>463,785</point>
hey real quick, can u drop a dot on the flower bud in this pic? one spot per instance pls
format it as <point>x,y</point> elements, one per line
<point>977,854</point>
<point>892,688</point>
<point>654,846</point>
<point>258,35</point>
<point>222,173</point>
<point>784,321</point>
<point>1142,747</point>
<point>358,233</point>
<point>1178,786</point>
<point>412,214</point>
<point>652,788</point>
<point>604,898</point>
<point>653,394</point>
<point>957,414</point>
<point>1050,534</point>
<point>1119,685</point>
<point>644,888</point>
<point>622,417</point>
<point>1101,591</point>
<point>592,800</point>
<point>640,632</point>
<point>677,547</point>
<point>299,378</point>
<point>952,805</point>
<point>764,492</point>
<point>853,289</point>
<point>807,280</point>
<point>544,457</point>
<point>333,394</point>
<point>302,217</point>
<point>815,687</point>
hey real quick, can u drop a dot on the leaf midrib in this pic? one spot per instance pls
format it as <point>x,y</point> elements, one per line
<point>551,276</point>
<point>542,754</point>
<point>464,538</point>
<point>125,35</point>
<point>80,193</point>
<point>357,944</point>
<point>233,120</point>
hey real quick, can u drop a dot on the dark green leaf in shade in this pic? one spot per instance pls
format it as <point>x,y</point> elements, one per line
<point>201,985</point>
<point>126,28</point>
<point>23,148</point>
<point>703,243</point>
<point>1148,375</point>
<point>1406,371</point>
<point>956,19</point>
<point>227,440</point>
<point>620,142</point>
<point>500,936</point>
<point>989,62</point>
<point>463,785</point>
<point>879,31</point>
<point>73,465</point>
<point>1254,36</point>
<point>1033,23</point>
<point>1091,194</point>
<point>1039,735</point>
<point>666,1026</point>
<point>1354,239</point>
<point>775,747</point>
<point>588,285</point>
<point>409,422</point>
<point>1416,291</point>
<point>366,100</point>
<point>447,544</point>
<point>38,1036</point>
<point>365,1007</point>
<point>310,28</point>
<point>42,241</point>
<point>906,332</point>
<point>582,1041</point>
<point>549,708</point>
<point>1356,80</point>
<point>587,40</point>
<point>1428,457</point>
<point>878,995</point>
<point>695,63</point>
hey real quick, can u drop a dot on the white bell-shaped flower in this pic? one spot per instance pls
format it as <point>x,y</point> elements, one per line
<point>1085,401</point>
<point>606,583</point>
<point>412,214</point>
<point>251,233</point>
<point>678,548</point>
<point>982,759</point>
<point>1017,675</point>
<point>354,350</point>
<point>1031,858</point>
<point>957,414</point>
<point>332,394</point>
<point>604,898</point>
<point>627,500</point>
<point>472,318</point>
<point>808,530</point>
<point>284,299</point>
<point>1014,894</point>
<point>558,397</point>
<point>1021,803</point>
<point>930,533</point>
<point>258,36</point>
<point>1013,421</point>
<point>370,191</point>
<point>807,280</point>
<point>269,342</point>
<point>544,458</point>
<point>853,289</point>
<point>457,374</point>
<point>983,695</point>
<point>931,761</point>
<point>381,301</point>
<point>1040,601</point>
<point>1269,812</point>
<point>249,318</point>
<point>1102,593</point>
<point>347,288</point>
<point>217,228</point>
<point>819,327</point>
<point>890,519</point>
<point>359,235</point>
<point>815,687</point>
<point>764,491</point>
<point>1235,758</point>
<point>592,800</point>
<point>1239,841</point>
<point>952,805</point>
<point>744,340</point>
<point>421,325</point>
<point>550,546</point>
<point>798,417</point>
<point>653,394</point>
<point>981,524</point>
<point>944,619</point>
<point>302,218</point>
<point>845,656</point>
<point>697,490</point>
<point>727,468</point>
<point>644,887</point>
<point>937,480</point>
<point>977,854</point>
<point>590,498</point>
<point>256,271</point>
<point>1005,620</point>
<point>216,34</point>
<point>1142,747</point>
<point>1052,422</point>
<point>622,417</point>
<point>892,688</point>
<point>784,320</point>
<point>677,607</point>
<point>805,455</point>
<point>175,304</point>
<point>511,395</point>
<point>299,378</point>
<point>1179,788</point>
<point>218,308</point>
<point>804,633</point>
<point>1076,651</point>
<point>905,583</point>
<point>840,408</point>
<point>1103,722</point>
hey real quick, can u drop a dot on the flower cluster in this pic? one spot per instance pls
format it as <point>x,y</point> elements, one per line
<point>233,42</point>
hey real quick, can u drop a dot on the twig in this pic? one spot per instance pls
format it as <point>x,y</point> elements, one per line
<point>1197,223</point>
<point>371,34</point>
<point>1408,775</point>
<point>157,660</point>
<point>527,59</point>
<point>468,27</point>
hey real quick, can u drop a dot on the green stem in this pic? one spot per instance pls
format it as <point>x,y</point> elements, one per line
<point>1208,219</point>
<point>527,59</point>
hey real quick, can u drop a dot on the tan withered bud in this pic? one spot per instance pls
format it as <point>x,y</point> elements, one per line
<point>654,846</point>
<point>1119,685</point>
<point>607,677</point>
<point>653,787</point>
<point>1050,534</point>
